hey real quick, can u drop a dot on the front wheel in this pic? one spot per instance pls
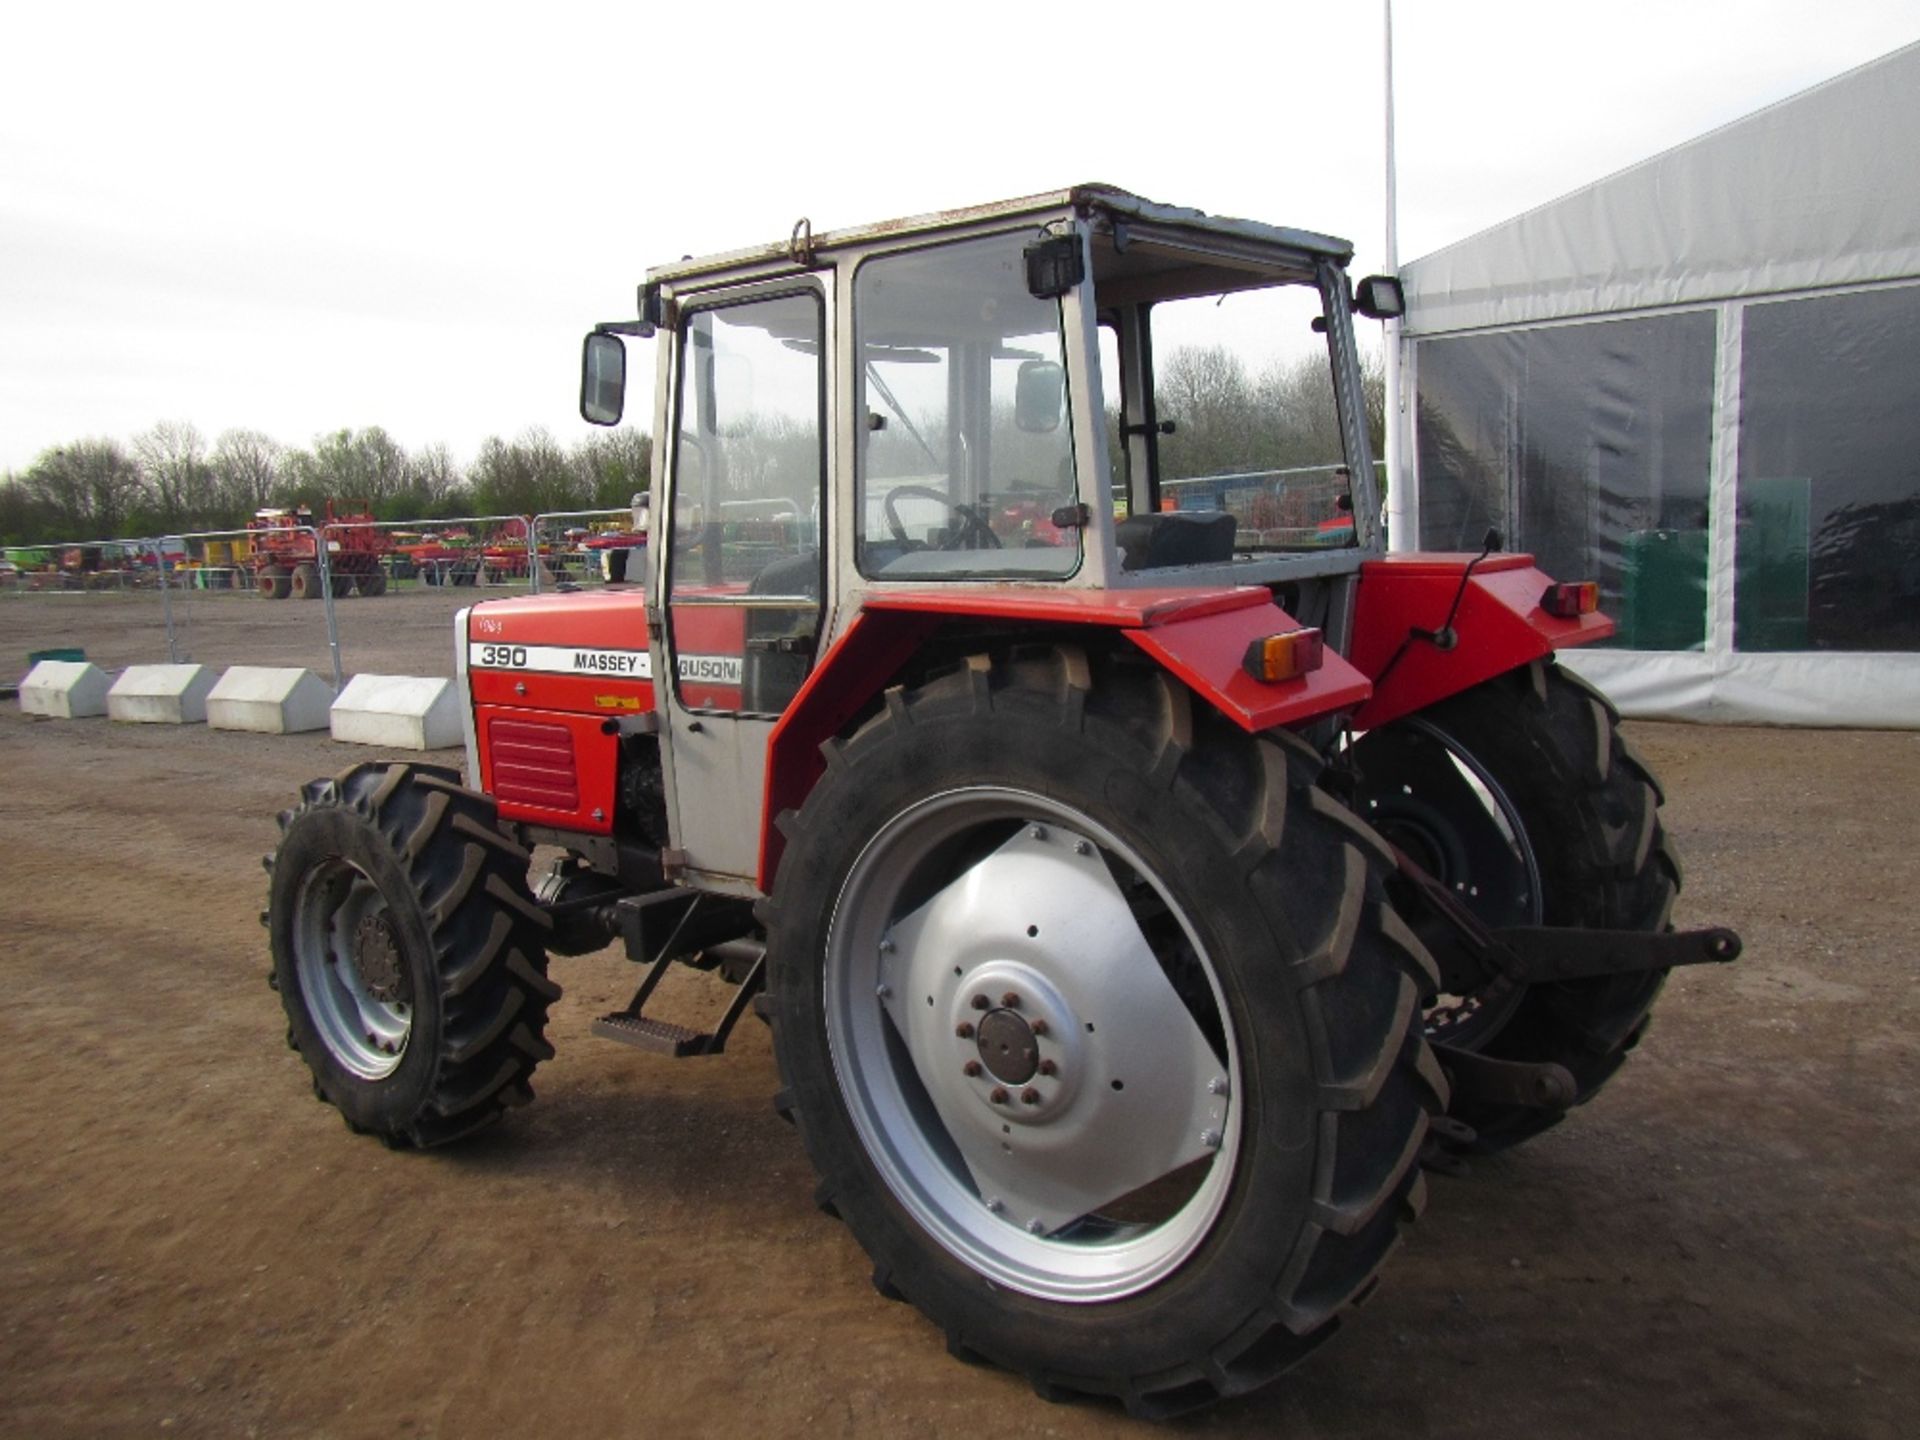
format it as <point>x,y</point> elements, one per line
<point>1099,1029</point>
<point>407,953</point>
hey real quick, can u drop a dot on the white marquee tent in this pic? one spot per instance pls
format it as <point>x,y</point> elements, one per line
<point>1698,381</point>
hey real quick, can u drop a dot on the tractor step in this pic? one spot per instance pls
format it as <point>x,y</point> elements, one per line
<point>658,1037</point>
<point>633,1026</point>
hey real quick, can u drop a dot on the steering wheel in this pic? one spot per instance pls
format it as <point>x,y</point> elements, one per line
<point>972,526</point>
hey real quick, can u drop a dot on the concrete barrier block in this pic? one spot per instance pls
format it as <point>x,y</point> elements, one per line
<point>401,712</point>
<point>161,694</point>
<point>64,689</point>
<point>269,701</point>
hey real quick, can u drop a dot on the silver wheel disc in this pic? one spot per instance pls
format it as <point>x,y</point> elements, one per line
<point>1032,1044</point>
<point>351,971</point>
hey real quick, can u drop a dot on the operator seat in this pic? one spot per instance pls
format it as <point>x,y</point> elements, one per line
<point>1176,537</point>
<point>780,641</point>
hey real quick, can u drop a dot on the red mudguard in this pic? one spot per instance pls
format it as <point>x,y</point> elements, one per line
<point>1201,635</point>
<point>1498,626</point>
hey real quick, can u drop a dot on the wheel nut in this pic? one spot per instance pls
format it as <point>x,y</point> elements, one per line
<point>971,1069</point>
<point>1029,1096</point>
<point>998,1095</point>
<point>1047,1067</point>
<point>963,1030</point>
<point>980,1002</point>
<point>1011,1000</point>
<point>1040,1027</point>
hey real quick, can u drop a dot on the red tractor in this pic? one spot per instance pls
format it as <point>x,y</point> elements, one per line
<point>1140,908</point>
<point>286,560</point>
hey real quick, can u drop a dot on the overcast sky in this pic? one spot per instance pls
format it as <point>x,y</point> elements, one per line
<point>297,219</point>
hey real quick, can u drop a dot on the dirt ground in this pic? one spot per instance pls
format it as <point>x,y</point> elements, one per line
<point>1724,1244</point>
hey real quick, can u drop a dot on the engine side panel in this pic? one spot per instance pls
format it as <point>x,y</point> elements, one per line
<point>548,676</point>
<point>548,767</point>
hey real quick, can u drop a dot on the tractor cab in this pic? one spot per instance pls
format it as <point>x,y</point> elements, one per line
<point>1045,390</point>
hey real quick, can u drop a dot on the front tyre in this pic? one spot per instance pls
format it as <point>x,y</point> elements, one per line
<point>407,953</point>
<point>1099,1029</point>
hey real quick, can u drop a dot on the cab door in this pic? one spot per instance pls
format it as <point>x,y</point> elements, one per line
<point>744,570</point>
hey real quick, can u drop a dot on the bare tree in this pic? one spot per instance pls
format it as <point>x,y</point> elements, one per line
<point>526,476</point>
<point>86,490</point>
<point>1204,390</point>
<point>614,465</point>
<point>173,460</point>
<point>433,480</point>
<point>246,468</point>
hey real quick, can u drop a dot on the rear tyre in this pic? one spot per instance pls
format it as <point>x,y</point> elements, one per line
<point>374,582</point>
<point>342,585</point>
<point>272,583</point>
<point>408,953</point>
<point>1558,825</point>
<point>305,582</point>
<point>1099,1029</point>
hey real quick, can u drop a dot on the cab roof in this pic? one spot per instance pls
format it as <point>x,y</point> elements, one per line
<point>1104,203</point>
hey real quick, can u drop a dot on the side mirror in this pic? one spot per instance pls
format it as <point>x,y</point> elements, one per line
<point>1037,396</point>
<point>603,379</point>
<point>1380,297</point>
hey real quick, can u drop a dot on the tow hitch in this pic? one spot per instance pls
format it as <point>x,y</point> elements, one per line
<point>1503,959</point>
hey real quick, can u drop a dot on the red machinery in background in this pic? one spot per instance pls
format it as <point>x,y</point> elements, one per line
<point>286,558</point>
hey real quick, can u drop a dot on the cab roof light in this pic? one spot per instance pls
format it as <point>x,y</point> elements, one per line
<point>1287,656</point>
<point>1571,599</point>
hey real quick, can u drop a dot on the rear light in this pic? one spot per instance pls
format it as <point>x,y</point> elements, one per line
<point>1285,657</point>
<point>1571,600</point>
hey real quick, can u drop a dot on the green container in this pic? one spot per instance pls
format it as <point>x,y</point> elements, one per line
<point>1663,590</point>
<point>1772,587</point>
<point>65,652</point>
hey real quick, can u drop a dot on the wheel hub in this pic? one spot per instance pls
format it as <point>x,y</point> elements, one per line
<point>377,959</point>
<point>1018,1046</point>
<point>1008,1047</point>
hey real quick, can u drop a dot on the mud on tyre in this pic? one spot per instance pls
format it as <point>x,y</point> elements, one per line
<point>1047,859</point>
<point>408,953</point>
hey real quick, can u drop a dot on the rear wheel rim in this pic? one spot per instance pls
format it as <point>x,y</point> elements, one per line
<point>352,971</point>
<point>919,936</point>
<point>1458,823</point>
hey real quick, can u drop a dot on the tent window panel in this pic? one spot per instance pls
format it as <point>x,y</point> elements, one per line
<point>1828,488</point>
<point>1588,445</point>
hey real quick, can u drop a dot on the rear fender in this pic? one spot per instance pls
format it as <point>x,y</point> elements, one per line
<point>1499,626</point>
<point>1199,635</point>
